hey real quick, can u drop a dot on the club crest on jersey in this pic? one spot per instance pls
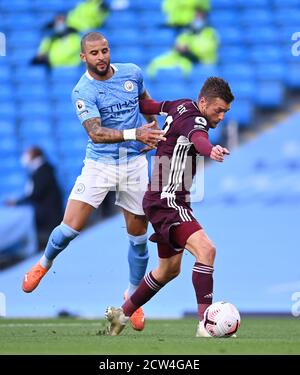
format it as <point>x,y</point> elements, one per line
<point>128,85</point>
<point>80,105</point>
<point>200,122</point>
<point>80,188</point>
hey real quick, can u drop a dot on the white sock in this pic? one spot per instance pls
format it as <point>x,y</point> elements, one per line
<point>45,262</point>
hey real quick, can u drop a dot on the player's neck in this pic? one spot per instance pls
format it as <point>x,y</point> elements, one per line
<point>99,77</point>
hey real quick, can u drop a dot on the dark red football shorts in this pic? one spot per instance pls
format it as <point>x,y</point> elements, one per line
<point>173,222</point>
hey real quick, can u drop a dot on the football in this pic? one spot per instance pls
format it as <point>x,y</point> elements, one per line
<point>221,319</point>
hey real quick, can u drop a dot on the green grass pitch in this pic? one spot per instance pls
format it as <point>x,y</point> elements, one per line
<point>73,336</point>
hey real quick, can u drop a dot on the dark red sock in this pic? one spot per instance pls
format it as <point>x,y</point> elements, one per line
<point>203,284</point>
<point>146,290</point>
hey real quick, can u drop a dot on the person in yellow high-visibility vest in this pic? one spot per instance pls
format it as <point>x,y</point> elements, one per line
<point>198,44</point>
<point>181,13</point>
<point>61,48</point>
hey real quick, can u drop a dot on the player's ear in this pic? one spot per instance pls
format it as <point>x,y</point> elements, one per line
<point>82,56</point>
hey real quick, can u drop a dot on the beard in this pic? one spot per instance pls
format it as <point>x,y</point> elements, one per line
<point>99,72</point>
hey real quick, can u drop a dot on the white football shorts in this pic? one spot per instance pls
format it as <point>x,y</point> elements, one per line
<point>129,181</point>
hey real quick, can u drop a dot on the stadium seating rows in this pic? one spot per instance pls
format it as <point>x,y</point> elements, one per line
<point>255,57</point>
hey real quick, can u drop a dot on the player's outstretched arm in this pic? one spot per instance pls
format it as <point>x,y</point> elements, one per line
<point>147,134</point>
<point>100,134</point>
<point>205,148</point>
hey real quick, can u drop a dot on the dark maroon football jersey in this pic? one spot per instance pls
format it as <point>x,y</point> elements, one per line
<point>175,160</point>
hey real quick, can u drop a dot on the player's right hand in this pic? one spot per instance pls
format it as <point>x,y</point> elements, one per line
<point>218,152</point>
<point>150,135</point>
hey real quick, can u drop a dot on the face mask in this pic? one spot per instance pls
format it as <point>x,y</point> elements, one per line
<point>27,163</point>
<point>198,24</point>
<point>60,28</point>
<point>25,160</point>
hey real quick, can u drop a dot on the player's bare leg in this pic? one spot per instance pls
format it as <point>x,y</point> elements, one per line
<point>75,218</point>
<point>138,259</point>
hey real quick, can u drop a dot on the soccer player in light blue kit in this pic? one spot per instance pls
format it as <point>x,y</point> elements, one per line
<point>106,101</point>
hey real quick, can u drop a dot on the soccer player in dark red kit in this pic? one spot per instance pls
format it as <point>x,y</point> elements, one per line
<point>167,204</point>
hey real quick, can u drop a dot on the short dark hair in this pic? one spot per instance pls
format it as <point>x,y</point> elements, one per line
<point>90,37</point>
<point>215,87</point>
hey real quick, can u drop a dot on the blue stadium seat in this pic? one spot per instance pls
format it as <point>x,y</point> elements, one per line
<point>151,18</point>
<point>166,76</point>
<point>17,6</point>
<point>11,164</point>
<point>37,92</point>
<point>120,19</point>
<point>61,90</point>
<point>201,72</point>
<point>5,73</point>
<point>292,75</point>
<point>269,94</point>
<point>129,54</point>
<point>8,111</point>
<point>230,34</point>
<point>266,54</point>
<point>68,76</point>
<point>16,57</point>
<point>76,147</point>
<point>271,71</point>
<point>146,5</point>
<point>256,17</point>
<point>19,22</point>
<point>27,38</point>
<point>253,3</point>
<point>34,74</point>
<point>56,6</point>
<point>14,181</point>
<point>233,72</point>
<point>233,54</point>
<point>117,37</point>
<point>242,111</point>
<point>64,130</point>
<point>287,16</point>
<point>287,3</point>
<point>243,89</point>
<point>221,4</point>
<point>35,110</point>
<point>8,146</point>
<point>221,18</point>
<point>152,38</point>
<point>6,92</point>
<point>7,128</point>
<point>261,35</point>
<point>35,128</point>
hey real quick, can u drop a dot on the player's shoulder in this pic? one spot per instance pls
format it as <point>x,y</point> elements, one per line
<point>127,68</point>
<point>83,86</point>
<point>181,106</point>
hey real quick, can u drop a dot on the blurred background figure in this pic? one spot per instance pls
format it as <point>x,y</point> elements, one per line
<point>197,44</point>
<point>87,15</point>
<point>61,47</point>
<point>181,13</point>
<point>42,192</point>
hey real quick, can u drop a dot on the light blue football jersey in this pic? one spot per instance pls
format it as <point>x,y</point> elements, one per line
<point>116,102</point>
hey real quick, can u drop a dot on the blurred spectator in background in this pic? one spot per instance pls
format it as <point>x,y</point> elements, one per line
<point>180,13</point>
<point>61,47</point>
<point>42,192</point>
<point>88,15</point>
<point>197,44</point>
